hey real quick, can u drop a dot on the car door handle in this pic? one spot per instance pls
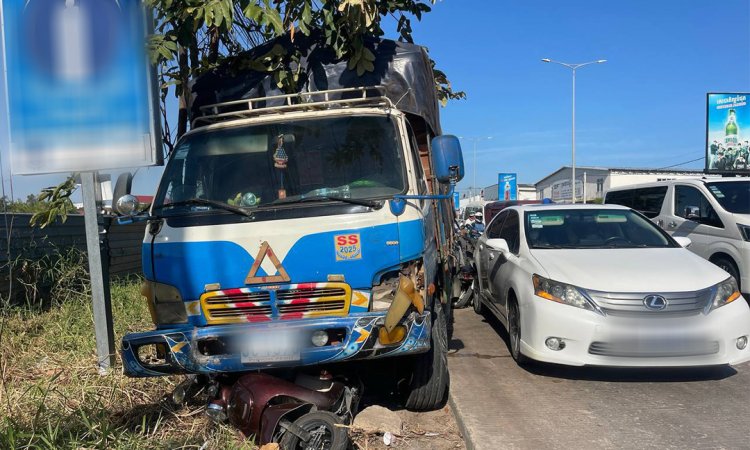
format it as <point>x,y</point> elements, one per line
<point>672,224</point>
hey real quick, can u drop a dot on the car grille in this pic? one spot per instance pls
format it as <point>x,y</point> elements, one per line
<point>631,304</point>
<point>654,349</point>
<point>295,302</point>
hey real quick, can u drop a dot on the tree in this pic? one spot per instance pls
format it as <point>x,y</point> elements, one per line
<point>193,36</point>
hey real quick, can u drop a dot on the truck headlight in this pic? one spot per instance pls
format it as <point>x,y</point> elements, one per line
<point>724,293</point>
<point>164,303</point>
<point>561,293</point>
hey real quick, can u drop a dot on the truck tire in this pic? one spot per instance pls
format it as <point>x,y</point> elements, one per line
<point>429,380</point>
<point>449,320</point>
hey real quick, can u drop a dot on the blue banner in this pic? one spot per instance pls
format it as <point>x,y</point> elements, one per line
<point>728,133</point>
<point>507,187</point>
<point>78,86</point>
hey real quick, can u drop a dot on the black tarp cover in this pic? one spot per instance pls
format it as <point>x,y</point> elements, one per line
<point>403,69</point>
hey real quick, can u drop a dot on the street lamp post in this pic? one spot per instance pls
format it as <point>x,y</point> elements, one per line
<point>574,67</point>
<point>475,140</point>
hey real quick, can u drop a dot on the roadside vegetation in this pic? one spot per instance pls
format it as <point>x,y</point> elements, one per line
<point>52,397</point>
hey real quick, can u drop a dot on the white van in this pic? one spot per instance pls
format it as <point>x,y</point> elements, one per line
<point>713,212</point>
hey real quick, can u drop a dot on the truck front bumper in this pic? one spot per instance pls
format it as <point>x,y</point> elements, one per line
<point>211,349</point>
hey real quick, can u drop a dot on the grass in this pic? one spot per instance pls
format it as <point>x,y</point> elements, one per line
<point>52,397</point>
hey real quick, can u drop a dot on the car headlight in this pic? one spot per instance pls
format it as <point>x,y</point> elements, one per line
<point>724,293</point>
<point>561,293</point>
<point>164,303</point>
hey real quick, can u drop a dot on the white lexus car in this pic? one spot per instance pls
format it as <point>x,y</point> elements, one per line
<point>602,285</point>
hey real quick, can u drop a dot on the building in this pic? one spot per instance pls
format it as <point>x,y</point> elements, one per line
<point>593,182</point>
<point>525,192</point>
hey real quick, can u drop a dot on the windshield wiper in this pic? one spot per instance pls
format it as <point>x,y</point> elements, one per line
<point>318,198</point>
<point>205,202</point>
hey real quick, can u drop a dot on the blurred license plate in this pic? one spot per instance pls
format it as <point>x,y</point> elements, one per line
<point>271,346</point>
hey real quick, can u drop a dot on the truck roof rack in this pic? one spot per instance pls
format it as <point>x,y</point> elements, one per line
<point>302,101</point>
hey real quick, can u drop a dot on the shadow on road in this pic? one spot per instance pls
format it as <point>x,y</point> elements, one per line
<point>614,374</point>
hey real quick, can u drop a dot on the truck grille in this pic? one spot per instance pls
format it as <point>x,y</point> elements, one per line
<point>631,304</point>
<point>294,302</point>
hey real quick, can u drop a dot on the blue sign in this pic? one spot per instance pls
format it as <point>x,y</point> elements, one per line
<point>507,187</point>
<point>79,87</point>
<point>456,200</point>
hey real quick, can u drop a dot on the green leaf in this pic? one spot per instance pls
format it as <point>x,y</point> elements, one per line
<point>273,18</point>
<point>368,55</point>
<point>253,11</point>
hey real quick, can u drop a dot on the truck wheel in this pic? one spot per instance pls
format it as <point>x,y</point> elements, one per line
<point>429,380</point>
<point>325,433</point>
<point>449,320</point>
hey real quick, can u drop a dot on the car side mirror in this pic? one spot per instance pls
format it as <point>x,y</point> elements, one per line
<point>683,241</point>
<point>500,245</point>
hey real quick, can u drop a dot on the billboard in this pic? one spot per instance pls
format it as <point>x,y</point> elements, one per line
<point>507,186</point>
<point>562,192</point>
<point>727,133</point>
<point>78,85</point>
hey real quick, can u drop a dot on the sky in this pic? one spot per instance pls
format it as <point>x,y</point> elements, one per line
<point>645,107</point>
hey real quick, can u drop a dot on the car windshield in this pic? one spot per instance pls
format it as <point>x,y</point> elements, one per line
<point>592,228</point>
<point>734,196</point>
<point>279,163</point>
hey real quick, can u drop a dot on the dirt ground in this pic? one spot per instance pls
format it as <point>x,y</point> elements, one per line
<point>435,430</point>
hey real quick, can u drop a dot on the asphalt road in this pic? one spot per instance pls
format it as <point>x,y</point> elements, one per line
<point>500,405</point>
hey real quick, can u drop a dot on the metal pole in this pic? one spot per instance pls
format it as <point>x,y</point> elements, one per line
<point>102,304</point>
<point>474,183</point>
<point>573,173</point>
<point>584,187</point>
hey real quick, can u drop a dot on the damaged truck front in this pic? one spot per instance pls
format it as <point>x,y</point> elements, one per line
<point>305,229</point>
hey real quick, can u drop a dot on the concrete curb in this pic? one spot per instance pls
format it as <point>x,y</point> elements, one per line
<point>460,422</point>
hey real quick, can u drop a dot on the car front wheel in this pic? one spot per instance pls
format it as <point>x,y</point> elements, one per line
<point>514,332</point>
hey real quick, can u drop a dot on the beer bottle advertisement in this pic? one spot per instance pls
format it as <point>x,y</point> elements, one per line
<point>727,132</point>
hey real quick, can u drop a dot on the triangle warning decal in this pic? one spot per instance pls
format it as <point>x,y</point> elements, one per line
<point>252,276</point>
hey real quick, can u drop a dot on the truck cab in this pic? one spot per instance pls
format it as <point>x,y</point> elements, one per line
<point>314,232</point>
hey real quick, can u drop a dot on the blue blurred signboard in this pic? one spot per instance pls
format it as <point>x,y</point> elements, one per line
<point>79,87</point>
<point>456,201</point>
<point>728,133</point>
<point>507,188</point>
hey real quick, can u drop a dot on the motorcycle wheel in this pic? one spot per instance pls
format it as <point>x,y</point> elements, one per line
<point>465,298</point>
<point>325,433</point>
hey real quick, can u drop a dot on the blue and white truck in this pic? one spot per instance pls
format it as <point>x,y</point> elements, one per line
<point>305,229</point>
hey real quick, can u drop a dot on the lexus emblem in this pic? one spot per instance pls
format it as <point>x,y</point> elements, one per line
<point>655,302</point>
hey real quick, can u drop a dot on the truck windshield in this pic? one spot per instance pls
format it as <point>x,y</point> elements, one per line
<point>734,196</point>
<point>354,157</point>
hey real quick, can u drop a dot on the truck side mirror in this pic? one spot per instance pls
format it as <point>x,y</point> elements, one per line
<point>123,185</point>
<point>447,159</point>
<point>122,202</point>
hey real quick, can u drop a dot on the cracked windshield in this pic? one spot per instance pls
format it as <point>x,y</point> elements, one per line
<point>253,166</point>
